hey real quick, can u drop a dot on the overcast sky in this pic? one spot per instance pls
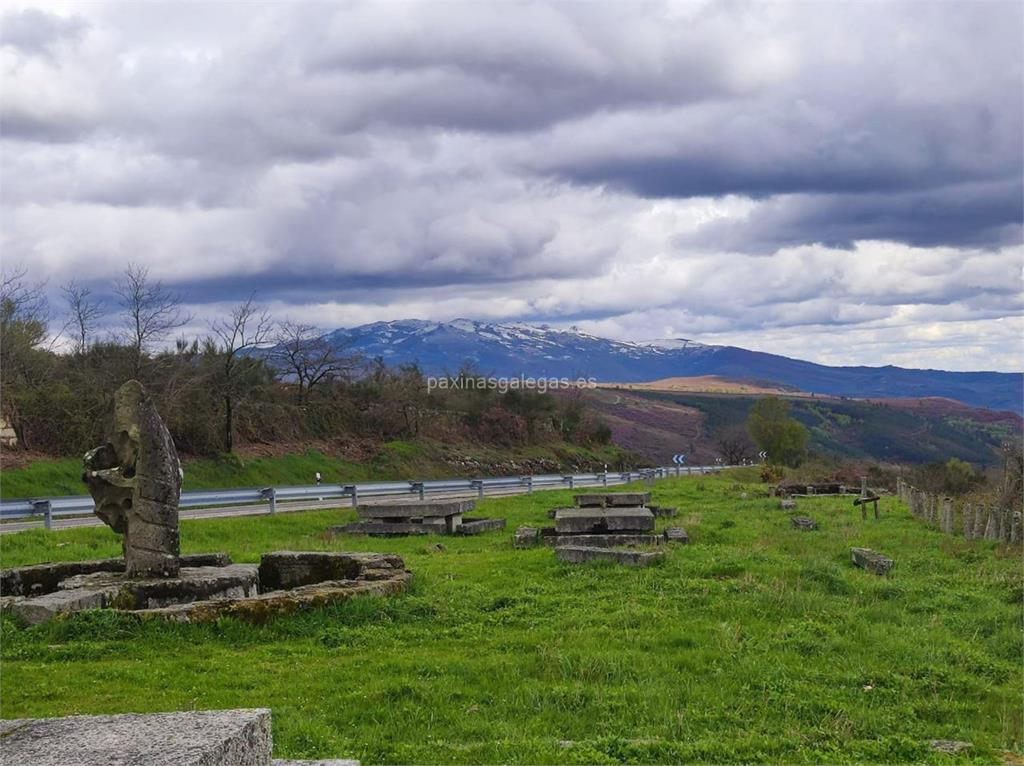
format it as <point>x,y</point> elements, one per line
<point>840,182</point>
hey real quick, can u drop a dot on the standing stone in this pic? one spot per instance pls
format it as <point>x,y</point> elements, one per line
<point>947,515</point>
<point>1015,528</point>
<point>967,516</point>
<point>135,481</point>
<point>990,525</point>
<point>526,537</point>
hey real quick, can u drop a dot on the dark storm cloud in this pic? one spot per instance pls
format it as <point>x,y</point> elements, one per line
<point>636,165</point>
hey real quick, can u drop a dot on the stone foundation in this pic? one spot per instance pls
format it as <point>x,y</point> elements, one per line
<point>868,559</point>
<point>596,521</point>
<point>284,582</point>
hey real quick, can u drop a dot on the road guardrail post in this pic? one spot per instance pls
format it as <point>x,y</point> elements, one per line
<point>270,495</point>
<point>44,507</point>
<point>604,479</point>
<point>478,485</point>
<point>352,491</point>
<point>528,480</point>
<point>571,480</point>
<point>417,486</point>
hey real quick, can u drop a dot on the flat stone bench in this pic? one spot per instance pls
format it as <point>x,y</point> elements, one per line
<point>579,554</point>
<point>611,499</point>
<point>592,521</point>
<point>417,517</point>
<point>479,526</point>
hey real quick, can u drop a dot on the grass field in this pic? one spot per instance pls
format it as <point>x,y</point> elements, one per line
<point>756,643</point>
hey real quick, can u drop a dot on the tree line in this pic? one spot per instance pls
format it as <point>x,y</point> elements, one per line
<point>246,378</point>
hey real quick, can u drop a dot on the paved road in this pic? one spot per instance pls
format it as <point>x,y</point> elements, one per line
<point>302,505</point>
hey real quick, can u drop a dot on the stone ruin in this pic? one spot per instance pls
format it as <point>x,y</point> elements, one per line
<point>431,517</point>
<point>605,526</point>
<point>135,480</point>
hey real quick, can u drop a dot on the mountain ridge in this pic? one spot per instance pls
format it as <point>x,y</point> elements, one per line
<point>515,348</point>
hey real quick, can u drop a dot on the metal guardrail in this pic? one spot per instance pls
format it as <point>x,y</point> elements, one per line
<point>58,507</point>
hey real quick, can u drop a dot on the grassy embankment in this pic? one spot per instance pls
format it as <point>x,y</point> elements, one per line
<point>756,643</point>
<point>396,460</point>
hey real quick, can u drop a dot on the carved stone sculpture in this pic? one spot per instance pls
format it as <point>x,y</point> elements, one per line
<point>135,480</point>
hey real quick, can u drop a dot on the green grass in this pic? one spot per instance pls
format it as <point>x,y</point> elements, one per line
<point>396,459</point>
<point>756,643</point>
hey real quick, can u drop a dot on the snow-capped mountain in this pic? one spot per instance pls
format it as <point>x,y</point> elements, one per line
<point>513,349</point>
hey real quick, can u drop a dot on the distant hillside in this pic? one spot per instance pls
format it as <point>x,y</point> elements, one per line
<point>515,349</point>
<point>660,424</point>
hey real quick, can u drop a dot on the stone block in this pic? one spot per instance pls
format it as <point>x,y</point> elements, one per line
<point>526,537</point>
<point>479,526</point>
<point>662,511</point>
<point>201,738</point>
<point>604,541</point>
<point>787,504</point>
<point>579,554</point>
<point>290,569</point>
<point>804,523</point>
<point>592,521</point>
<point>382,582</point>
<point>677,535</point>
<point>949,746</point>
<point>868,559</point>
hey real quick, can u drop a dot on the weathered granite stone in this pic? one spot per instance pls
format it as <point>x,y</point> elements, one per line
<point>526,537</point>
<point>384,582</point>
<point>677,535</point>
<point>592,521</point>
<point>34,611</point>
<point>45,578</point>
<point>479,526</point>
<point>604,541</point>
<point>804,523</point>
<point>202,738</point>
<point>290,569</point>
<point>135,480</point>
<point>578,554</point>
<point>787,504</point>
<point>662,511</point>
<point>117,590</point>
<point>611,499</point>
<point>949,746</point>
<point>868,559</point>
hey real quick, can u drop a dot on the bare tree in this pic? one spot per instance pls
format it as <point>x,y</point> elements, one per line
<point>735,445</point>
<point>83,313</point>
<point>23,332</point>
<point>151,312</point>
<point>248,327</point>
<point>303,351</point>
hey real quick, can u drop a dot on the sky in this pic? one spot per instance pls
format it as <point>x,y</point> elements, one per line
<point>837,181</point>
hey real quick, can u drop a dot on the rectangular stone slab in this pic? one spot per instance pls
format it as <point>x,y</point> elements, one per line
<point>579,554</point>
<point>603,541</point>
<point>611,499</point>
<point>416,510</point>
<point>203,738</point>
<point>479,526</point>
<point>292,569</point>
<point>594,521</point>
<point>868,559</point>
